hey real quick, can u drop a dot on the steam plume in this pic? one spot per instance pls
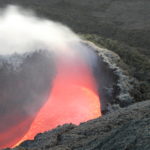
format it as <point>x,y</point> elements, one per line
<point>22,31</point>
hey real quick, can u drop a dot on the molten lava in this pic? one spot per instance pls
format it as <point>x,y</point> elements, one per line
<point>73,99</point>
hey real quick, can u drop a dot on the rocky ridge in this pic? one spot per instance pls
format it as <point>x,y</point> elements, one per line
<point>126,129</point>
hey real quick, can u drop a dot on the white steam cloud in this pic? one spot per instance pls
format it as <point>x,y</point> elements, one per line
<point>21,31</point>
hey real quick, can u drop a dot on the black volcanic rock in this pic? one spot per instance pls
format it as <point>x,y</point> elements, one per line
<point>125,129</point>
<point>116,86</point>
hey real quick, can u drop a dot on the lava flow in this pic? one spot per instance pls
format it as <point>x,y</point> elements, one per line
<point>73,99</point>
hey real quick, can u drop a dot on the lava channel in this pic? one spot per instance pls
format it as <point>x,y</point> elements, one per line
<point>73,99</point>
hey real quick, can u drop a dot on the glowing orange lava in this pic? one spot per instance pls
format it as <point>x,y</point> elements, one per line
<point>12,136</point>
<point>73,99</point>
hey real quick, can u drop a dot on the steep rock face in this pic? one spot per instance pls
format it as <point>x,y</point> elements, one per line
<point>115,84</point>
<point>125,129</point>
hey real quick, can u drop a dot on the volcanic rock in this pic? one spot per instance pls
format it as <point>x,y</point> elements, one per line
<point>116,87</point>
<point>126,129</point>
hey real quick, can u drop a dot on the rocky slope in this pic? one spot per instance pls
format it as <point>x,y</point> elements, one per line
<point>126,129</point>
<point>116,86</point>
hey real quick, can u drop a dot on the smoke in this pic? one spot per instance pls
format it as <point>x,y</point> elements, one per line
<point>22,31</point>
